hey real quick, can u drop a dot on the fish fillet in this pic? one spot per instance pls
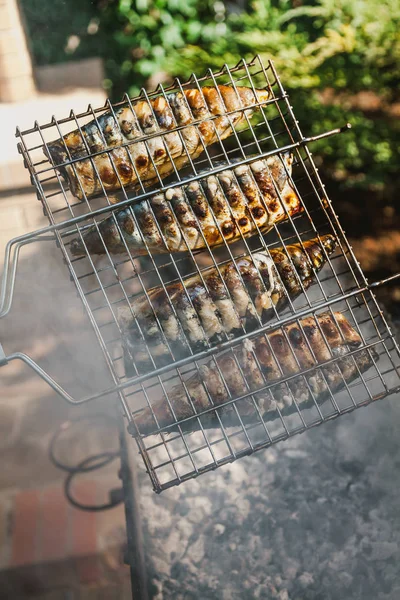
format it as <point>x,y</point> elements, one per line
<point>238,201</point>
<point>219,304</point>
<point>262,360</point>
<point>141,138</point>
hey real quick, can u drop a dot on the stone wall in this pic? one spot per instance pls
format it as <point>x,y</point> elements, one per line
<point>16,74</point>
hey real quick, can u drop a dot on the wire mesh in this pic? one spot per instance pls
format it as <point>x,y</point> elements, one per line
<point>182,447</point>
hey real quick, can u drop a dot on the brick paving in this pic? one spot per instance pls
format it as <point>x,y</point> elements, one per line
<point>25,527</point>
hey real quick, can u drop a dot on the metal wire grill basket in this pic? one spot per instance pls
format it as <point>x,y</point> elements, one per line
<point>183,447</point>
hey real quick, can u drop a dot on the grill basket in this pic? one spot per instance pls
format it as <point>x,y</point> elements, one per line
<point>187,447</point>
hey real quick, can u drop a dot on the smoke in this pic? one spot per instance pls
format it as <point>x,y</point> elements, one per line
<point>47,322</point>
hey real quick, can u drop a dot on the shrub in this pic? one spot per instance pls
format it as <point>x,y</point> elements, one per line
<point>339,59</point>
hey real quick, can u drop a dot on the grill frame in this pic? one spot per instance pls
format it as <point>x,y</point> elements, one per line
<point>352,297</point>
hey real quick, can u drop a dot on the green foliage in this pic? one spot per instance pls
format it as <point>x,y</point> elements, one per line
<point>147,36</point>
<point>51,23</point>
<point>348,46</point>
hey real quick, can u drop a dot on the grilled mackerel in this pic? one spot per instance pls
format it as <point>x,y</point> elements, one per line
<point>131,160</point>
<point>219,304</point>
<point>236,202</point>
<point>258,362</point>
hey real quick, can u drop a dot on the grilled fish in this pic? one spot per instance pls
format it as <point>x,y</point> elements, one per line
<point>254,364</point>
<point>210,308</point>
<point>131,160</point>
<point>236,202</point>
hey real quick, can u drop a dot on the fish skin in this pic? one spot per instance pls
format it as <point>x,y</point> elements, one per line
<point>306,257</point>
<point>136,158</point>
<point>341,337</point>
<point>238,201</point>
<point>210,308</point>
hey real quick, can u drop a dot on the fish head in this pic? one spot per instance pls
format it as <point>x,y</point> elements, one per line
<point>329,243</point>
<point>337,322</point>
<point>247,98</point>
<point>288,159</point>
<point>280,166</point>
<point>77,248</point>
<point>263,95</point>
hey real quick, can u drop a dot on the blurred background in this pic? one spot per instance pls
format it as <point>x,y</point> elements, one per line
<point>340,62</point>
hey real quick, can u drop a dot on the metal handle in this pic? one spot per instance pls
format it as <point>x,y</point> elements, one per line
<point>3,358</point>
<point>6,296</point>
<point>8,278</point>
<point>49,380</point>
<point>10,266</point>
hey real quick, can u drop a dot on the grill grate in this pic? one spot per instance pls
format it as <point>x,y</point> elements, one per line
<point>187,446</point>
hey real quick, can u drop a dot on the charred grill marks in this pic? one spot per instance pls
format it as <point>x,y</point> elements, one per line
<point>219,207</point>
<point>220,303</point>
<point>132,123</point>
<point>259,367</point>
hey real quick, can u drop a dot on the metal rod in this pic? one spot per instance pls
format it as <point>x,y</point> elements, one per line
<point>384,281</point>
<point>10,271</point>
<point>321,136</point>
<point>135,543</point>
